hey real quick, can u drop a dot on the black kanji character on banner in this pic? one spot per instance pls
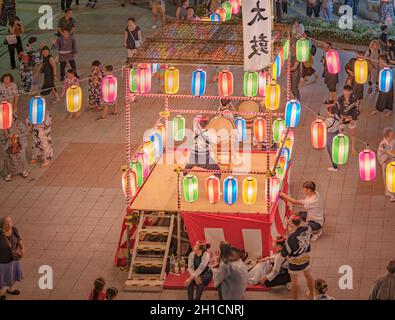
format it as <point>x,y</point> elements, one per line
<point>259,45</point>
<point>258,14</point>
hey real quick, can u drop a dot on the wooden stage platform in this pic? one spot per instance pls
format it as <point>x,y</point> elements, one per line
<point>159,192</point>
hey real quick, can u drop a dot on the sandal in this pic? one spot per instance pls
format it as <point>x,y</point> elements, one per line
<point>101,119</point>
<point>14,292</point>
<point>25,174</point>
<point>114,114</point>
<point>7,178</point>
<point>370,90</point>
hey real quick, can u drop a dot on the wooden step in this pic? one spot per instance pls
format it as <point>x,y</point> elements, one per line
<point>138,276</point>
<point>146,285</point>
<point>148,262</point>
<point>151,246</point>
<point>155,230</point>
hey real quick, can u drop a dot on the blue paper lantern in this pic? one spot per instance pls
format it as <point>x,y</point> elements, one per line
<point>286,153</point>
<point>277,62</point>
<point>215,17</point>
<point>230,190</point>
<point>292,113</point>
<point>385,80</point>
<point>37,110</point>
<point>241,127</point>
<point>156,138</point>
<point>155,67</point>
<point>198,82</point>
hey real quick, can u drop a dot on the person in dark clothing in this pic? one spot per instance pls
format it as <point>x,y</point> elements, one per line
<point>200,153</point>
<point>199,270</point>
<point>297,249</point>
<point>14,40</point>
<point>48,69</point>
<point>357,88</point>
<point>385,100</point>
<point>65,4</point>
<point>331,80</point>
<point>8,12</point>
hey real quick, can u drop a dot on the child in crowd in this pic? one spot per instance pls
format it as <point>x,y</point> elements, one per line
<point>70,80</point>
<point>97,293</point>
<point>332,124</point>
<point>108,71</point>
<point>321,289</point>
<point>111,293</point>
<point>94,87</point>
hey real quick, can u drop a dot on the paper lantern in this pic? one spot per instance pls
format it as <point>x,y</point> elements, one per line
<point>284,152</point>
<point>191,188</point>
<point>156,139</point>
<point>281,56</point>
<point>286,50</point>
<point>274,189</point>
<point>272,96</point>
<point>179,128</point>
<point>227,6</point>
<point>222,14</point>
<point>230,190</point>
<point>133,80</point>
<point>280,174</point>
<point>199,78</point>
<point>361,71</point>
<point>235,6</point>
<point>277,129</point>
<point>332,61</point>
<point>161,129</point>
<point>155,67</point>
<point>143,158</point>
<point>283,163</point>
<point>289,143</point>
<point>215,17</point>
<point>73,98</point>
<point>37,110</point>
<point>213,189</point>
<point>241,128</point>
<point>109,89</point>
<point>172,80</point>
<point>259,127</point>
<point>390,177</point>
<point>250,84</point>
<point>302,49</point>
<point>132,191</point>
<point>367,165</point>
<point>318,134</point>
<point>340,148</point>
<point>5,115</point>
<point>275,69</point>
<point>292,113</point>
<point>149,149</point>
<point>250,190</point>
<point>262,77</point>
<point>144,79</point>
<point>137,167</point>
<point>225,83</point>
<point>385,80</point>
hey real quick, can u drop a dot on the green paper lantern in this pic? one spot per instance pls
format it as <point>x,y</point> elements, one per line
<point>286,50</point>
<point>133,80</point>
<point>250,83</point>
<point>302,49</point>
<point>280,175</point>
<point>340,148</point>
<point>137,168</point>
<point>227,6</point>
<point>277,128</point>
<point>179,128</point>
<point>191,188</point>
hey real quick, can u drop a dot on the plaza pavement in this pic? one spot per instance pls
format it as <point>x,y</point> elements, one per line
<point>70,214</point>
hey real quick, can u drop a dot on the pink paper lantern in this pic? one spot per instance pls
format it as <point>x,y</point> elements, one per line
<point>333,61</point>
<point>143,79</point>
<point>367,165</point>
<point>109,89</point>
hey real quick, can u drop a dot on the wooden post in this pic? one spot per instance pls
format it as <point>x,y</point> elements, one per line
<point>179,172</point>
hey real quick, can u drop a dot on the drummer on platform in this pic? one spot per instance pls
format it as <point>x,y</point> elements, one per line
<point>200,152</point>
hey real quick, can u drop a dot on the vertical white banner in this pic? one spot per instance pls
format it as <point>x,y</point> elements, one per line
<point>257,34</point>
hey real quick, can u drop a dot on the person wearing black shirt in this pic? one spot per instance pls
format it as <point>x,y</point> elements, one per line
<point>330,79</point>
<point>385,100</point>
<point>347,109</point>
<point>357,88</point>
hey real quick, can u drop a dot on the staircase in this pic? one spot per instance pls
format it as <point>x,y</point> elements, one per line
<point>151,248</point>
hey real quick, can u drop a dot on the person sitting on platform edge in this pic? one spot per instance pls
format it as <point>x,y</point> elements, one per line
<point>313,205</point>
<point>200,153</point>
<point>199,270</point>
<point>271,271</point>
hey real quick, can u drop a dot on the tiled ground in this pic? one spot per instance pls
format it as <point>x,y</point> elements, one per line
<point>70,214</point>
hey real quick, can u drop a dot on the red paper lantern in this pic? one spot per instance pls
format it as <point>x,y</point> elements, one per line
<point>213,191</point>
<point>260,129</point>
<point>225,83</point>
<point>5,115</point>
<point>144,79</point>
<point>318,132</point>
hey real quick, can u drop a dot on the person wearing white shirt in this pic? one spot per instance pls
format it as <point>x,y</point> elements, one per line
<point>313,205</point>
<point>199,270</point>
<point>384,156</point>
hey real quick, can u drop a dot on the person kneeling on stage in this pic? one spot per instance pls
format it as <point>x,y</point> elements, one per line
<point>271,271</point>
<point>199,270</point>
<point>200,153</point>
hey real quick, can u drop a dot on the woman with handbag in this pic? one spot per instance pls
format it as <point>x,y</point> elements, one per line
<point>11,251</point>
<point>133,38</point>
<point>14,143</point>
<point>14,41</point>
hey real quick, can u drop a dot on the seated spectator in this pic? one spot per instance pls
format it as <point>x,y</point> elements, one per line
<point>199,270</point>
<point>313,205</point>
<point>321,288</point>
<point>181,12</point>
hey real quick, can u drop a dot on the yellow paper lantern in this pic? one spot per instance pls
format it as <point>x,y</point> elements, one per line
<point>250,189</point>
<point>149,149</point>
<point>172,80</point>
<point>361,71</point>
<point>390,176</point>
<point>73,98</point>
<point>272,98</point>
